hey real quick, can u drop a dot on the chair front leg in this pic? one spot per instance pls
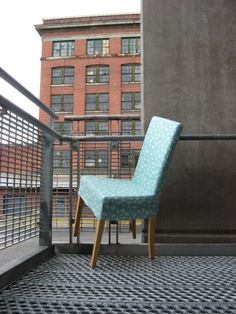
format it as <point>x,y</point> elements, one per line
<point>133,228</point>
<point>151,234</point>
<point>96,246</point>
<point>78,215</point>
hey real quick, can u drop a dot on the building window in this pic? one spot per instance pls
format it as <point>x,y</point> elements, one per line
<point>97,128</point>
<point>97,74</point>
<point>62,76</point>
<point>63,48</point>
<point>60,206</point>
<point>131,73</point>
<point>97,47</point>
<point>131,127</point>
<point>14,205</point>
<point>61,159</point>
<point>130,45</point>
<point>97,102</point>
<point>130,101</point>
<point>96,158</point>
<point>62,103</point>
<point>129,158</point>
<point>63,128</point>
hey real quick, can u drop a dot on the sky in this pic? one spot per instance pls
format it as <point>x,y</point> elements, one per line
<point>21,45</point>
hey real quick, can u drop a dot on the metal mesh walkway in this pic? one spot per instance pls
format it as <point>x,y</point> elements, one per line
<point>168,285</point>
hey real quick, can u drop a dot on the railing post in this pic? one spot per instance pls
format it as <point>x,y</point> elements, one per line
<point>45,225</point>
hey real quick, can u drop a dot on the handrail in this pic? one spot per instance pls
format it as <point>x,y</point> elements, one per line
<point>133,138</point>
<point>103,117</point>
<point>13,82</point>
<point>7,104</point>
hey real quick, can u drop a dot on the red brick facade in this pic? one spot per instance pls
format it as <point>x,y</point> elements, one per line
<point>80,30</point>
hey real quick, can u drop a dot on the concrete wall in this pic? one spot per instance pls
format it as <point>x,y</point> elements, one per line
<point>189,58</point>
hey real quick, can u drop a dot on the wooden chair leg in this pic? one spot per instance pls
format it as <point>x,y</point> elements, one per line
<point>78,215</point>
<point>151,234</point>
<point>96,246</point>
<point>133,228</point>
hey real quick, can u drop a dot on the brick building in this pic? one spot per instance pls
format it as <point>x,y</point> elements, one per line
<point>90,66</point>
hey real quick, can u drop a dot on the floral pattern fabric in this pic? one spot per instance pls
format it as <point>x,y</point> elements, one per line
<point>138,198</point>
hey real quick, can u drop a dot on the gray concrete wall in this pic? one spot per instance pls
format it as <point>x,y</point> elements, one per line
<point>189,58</point>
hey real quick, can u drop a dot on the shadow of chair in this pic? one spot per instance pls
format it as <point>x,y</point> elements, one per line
<point>138,198</point>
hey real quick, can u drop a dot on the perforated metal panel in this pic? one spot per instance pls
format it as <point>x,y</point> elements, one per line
<point>178,285</point>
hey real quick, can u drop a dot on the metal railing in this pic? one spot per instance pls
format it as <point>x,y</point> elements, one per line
<point>40,170</point>
<point>23,146</point>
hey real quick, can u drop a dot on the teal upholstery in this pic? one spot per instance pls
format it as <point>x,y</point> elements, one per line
<point>138,198</point>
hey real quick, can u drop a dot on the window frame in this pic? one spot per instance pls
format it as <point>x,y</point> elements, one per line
<point>132,73</point>
<point>62,103</point>
<point>98,103</point>
<point>15,205</point>
<point>133,156</point>
<point>97,128</point>
<point>133,130</point>
<point>137,45</point>
<point>133,101</point>
<point>63,77</point>
<point>57,52</point>
<point>56,205</point>
<point>97,74</point>
<point>96,158</point>
<point>61,130</point>
<point>105,50</point>
<point>61,161</point>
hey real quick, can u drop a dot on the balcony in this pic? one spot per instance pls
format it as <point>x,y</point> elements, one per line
<point>44,269</point>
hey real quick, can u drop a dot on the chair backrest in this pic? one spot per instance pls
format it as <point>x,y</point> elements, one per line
<point>158,146</point>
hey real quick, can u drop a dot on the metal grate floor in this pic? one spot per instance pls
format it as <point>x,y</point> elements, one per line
<point>168,285</point>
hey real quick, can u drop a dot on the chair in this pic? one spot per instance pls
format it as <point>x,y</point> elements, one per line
<point>138,198</point>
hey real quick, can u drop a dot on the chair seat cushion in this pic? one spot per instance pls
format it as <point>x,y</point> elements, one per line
<point>116,199</point>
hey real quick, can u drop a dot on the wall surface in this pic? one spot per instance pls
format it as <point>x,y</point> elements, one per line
<point>189,57</point>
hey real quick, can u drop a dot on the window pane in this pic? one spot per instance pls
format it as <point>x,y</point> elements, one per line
<point>103,128</point>
<point>137,127</point>
<point>56,49</point>
<point>68,103</point>
<point>125,45</point>
<point>102,159</point>
<point>126,101</point>
<point>60,207</point>
<point>62,76</point>
<point>124,160</point>
<point>132,45</point>
<point>98,47</point>
<point>69,76</point>
<point>126,72</point>
<point>103,102</point>
<point>66,128</point>
<point>90,128</point>
<point>137,73</point>
<point>126,128</point>
<point>90,159</point>
<point>103,74</point>
<point>90,47</point>
<point>105,49</point>
<point>63,48</point>
<point>91,102</point>
<point>91,74</point>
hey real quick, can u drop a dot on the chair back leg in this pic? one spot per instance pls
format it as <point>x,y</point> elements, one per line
<point>78,214</point>
<point>96,246</point>
<point>151,234</point>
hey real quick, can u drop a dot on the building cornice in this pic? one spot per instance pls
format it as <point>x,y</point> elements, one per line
<point>65,24</point>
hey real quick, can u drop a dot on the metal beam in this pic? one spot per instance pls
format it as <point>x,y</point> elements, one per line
<point>14,83</point>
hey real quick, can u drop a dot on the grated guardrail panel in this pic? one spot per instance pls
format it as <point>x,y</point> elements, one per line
<point>178,285</point>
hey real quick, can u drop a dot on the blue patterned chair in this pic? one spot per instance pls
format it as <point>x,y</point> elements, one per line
<point>138,198</point>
